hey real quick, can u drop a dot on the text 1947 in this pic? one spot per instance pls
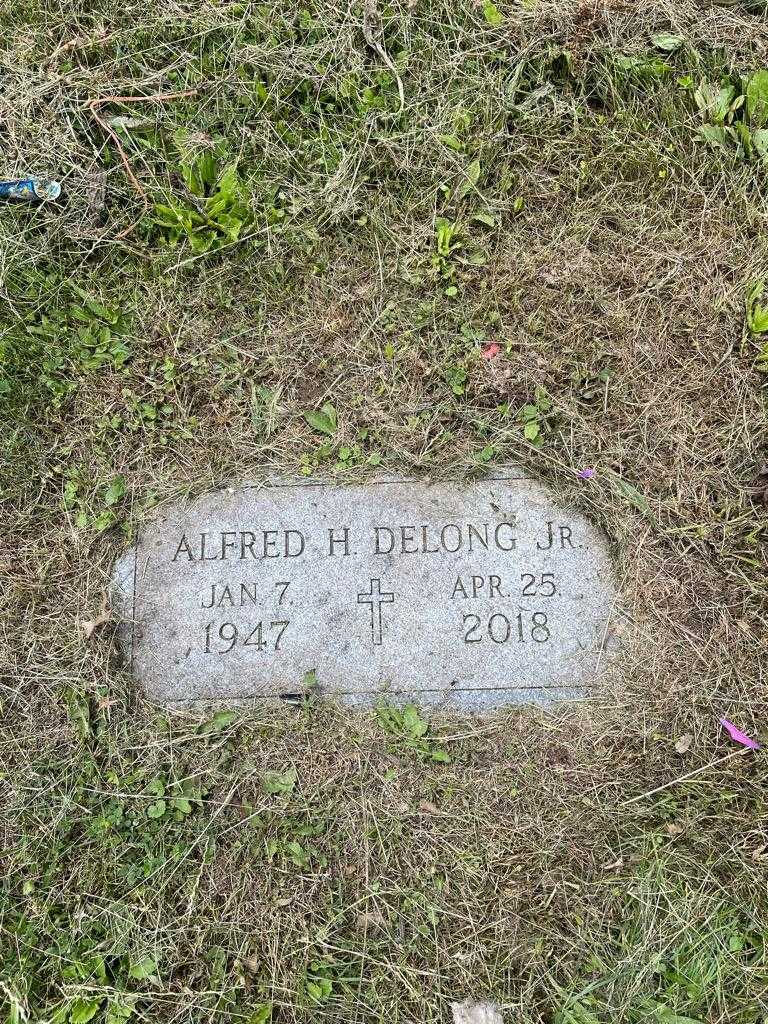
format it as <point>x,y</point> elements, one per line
<point>223,638</point>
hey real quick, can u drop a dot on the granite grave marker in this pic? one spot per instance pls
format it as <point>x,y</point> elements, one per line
<point>464,594</point>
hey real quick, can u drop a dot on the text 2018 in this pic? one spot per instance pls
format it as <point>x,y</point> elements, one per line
<point>501,629</point>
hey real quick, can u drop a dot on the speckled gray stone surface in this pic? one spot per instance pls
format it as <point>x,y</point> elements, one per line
<point>465,594</point>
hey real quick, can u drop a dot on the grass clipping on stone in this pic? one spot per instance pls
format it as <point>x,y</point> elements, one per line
<point>582,186</point>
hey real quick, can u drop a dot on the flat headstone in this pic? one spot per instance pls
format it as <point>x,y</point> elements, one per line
<point>466,594</point>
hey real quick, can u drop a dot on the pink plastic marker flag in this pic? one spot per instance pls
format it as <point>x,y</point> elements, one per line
<point>491,351</point>
<point>738,735</point>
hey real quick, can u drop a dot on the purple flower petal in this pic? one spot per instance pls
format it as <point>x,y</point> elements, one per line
<point>738,735</point>
<point>585,474</point>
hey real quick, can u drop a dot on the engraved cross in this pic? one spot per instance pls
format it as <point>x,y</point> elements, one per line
<point>375,598</point>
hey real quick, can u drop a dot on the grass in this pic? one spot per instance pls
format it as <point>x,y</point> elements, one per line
<point>290,269</point>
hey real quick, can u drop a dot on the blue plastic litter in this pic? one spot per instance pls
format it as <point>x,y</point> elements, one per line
<point>30,189</point>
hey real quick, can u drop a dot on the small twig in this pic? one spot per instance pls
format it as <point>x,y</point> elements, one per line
<point>373,30</point>
<point>690,775</point>
<point>160,97</point>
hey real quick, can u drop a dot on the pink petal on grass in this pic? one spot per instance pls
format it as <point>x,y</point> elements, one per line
<point>491,351</point>
<point>585,474</point>
<point>738,735</point>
